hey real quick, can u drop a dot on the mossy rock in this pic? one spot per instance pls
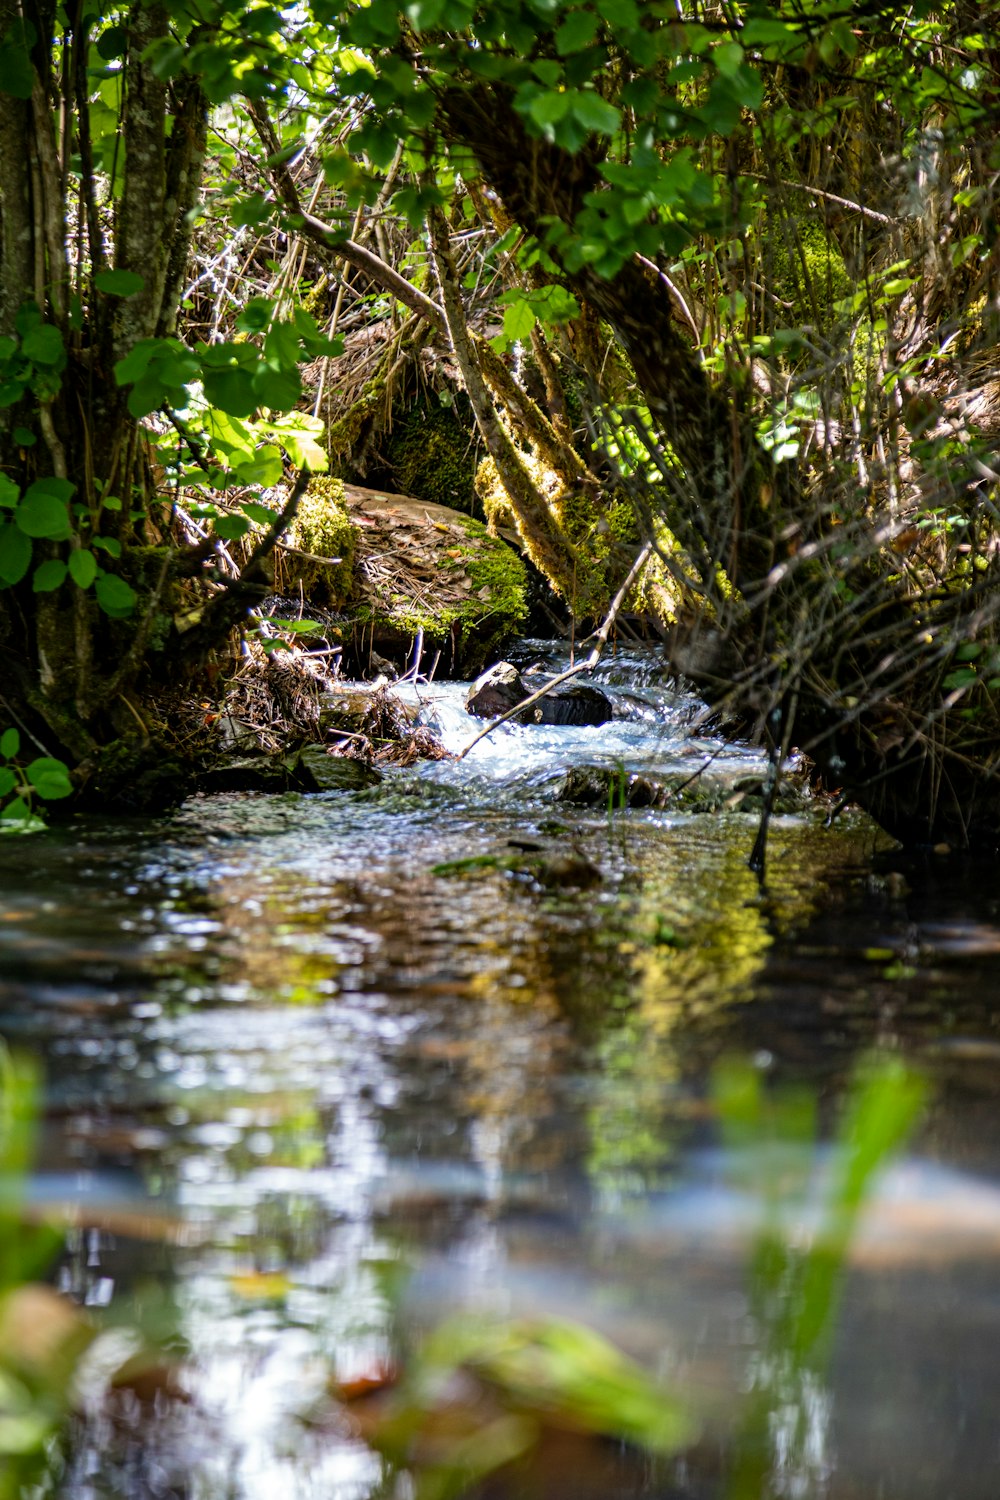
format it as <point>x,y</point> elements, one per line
<point>323,529</point>
<point>429,568</point>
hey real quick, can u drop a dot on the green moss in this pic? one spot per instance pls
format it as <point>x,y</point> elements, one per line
<point>324,528</point>
<point>343,436</point>
<point>493,565</point>
<point>596,526</point>
<point>431,455</point>
<point>807,270</point>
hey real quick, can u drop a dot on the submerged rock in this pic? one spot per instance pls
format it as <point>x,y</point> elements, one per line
<point>502,688</point>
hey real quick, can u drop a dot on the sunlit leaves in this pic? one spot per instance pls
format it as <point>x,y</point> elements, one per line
<point>523,309</point>
<point>299,433</point>
<point>159,371</point>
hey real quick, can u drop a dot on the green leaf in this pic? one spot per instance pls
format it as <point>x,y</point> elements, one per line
<point>262,514</point>
<point>293,627</point>
<point>17,817</point>
<point>576,32</point>
<point>28,317</point>
<point>50,778</point>
<point>256,316</point>
<point>264,468</point>
<point>59,489</point>
<point>10,743</point>
<point>727,57</point>
<point>49,576</point>
<point>299,434</point>
<point>250,211</point>
<point>24,437</point>
<point>962,678</point>
<point>9,493</point>
<point>44,346</point>
<point>82,567</point>
<point>115,596</point>
<point>231,528</point>
<point>8,781</point>
<point>113,43</point>
<point>279,390</point>
<point>16,72</point>
<point>146,396</point>
<point>119,283</point>
<point>43,515</point>
<point>549,108</point>
<point>169,60</point>
<point>518,320</point>
<point>595,113</point>
<point>108,544</point>
<point>15,553</point>
<point>232,390</point>
<point>764,33</point>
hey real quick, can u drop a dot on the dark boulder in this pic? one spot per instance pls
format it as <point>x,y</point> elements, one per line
<point>311,769</point>
<point>497,691</point>
<point>502,688</point>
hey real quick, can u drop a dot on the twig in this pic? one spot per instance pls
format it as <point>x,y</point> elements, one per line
<point>815,192</point>
<point>587,665</point>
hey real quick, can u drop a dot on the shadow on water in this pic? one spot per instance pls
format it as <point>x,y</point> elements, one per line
<point>306,1095</point>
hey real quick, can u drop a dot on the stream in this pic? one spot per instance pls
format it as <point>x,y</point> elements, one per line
<point>321,1071</point>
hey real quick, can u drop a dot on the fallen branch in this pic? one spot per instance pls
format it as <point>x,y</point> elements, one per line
<point>600,639</point>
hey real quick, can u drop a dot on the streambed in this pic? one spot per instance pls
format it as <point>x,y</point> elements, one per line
<point>322,1068</point>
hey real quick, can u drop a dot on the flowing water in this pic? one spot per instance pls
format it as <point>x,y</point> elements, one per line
<point>321,1070</point>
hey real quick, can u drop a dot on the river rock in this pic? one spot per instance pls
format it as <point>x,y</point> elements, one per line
<point>311,769</point>
<point>430,575</point>
<point>497,691</point>
<point>333,773</point>
<point>502,687</point>
<point>247,773</point>
<point>576,703</point>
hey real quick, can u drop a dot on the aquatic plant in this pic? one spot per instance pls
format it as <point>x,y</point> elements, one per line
<point>800,1251</point>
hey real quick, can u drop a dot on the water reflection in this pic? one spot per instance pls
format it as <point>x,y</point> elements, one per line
<point>288,1063</point>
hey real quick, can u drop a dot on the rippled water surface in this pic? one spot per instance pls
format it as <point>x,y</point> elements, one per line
<point>308,1091</point>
